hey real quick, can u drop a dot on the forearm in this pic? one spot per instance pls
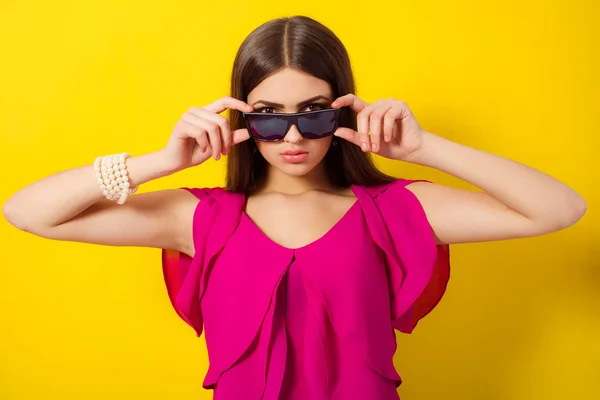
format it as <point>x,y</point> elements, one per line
<point>64,195</point>
<point>530,192</point>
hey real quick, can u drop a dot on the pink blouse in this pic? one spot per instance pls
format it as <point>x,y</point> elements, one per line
<point>316,322</point>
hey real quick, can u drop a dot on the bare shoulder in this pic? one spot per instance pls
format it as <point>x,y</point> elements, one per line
<point>426,190</point>
<point>467,216</point>
<point>182,201</point>
<point>169,202</point>
<point>432,195</point>
<point>159,219</point>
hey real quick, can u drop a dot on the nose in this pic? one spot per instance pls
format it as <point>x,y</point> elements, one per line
<point>293,135</point>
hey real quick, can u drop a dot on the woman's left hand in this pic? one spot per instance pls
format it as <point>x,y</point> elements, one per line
<point>395,133</point>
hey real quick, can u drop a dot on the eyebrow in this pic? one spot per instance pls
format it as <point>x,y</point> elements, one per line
<point>302,103</point>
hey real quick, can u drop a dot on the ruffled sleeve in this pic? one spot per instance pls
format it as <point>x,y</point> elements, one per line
<point>185,277</point>
<point>418,267</point>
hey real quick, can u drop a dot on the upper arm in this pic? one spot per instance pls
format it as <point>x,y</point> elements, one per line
<point>160,219</point>
<point>463,216</point>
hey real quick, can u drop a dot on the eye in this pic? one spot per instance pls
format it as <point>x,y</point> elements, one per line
<point>267,110</point>
<point>313,107</point>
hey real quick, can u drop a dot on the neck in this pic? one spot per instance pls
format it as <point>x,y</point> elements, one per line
<point>277,181</point>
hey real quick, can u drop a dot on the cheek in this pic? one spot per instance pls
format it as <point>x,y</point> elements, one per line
<point>321,146</point>
<point>268,150</point>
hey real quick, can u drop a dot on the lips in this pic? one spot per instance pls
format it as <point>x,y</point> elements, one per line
<point>294,156</point>
<point>293,152</point>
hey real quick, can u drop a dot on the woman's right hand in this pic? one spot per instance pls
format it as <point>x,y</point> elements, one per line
<point>202,133</point>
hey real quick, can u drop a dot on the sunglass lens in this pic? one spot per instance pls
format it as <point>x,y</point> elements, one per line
<point>267,127</point>
<point>317,125</point>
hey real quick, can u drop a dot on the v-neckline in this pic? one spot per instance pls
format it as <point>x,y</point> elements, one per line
<point>329,231</point>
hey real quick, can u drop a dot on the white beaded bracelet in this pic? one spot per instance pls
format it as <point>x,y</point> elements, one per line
<point>111,172</point>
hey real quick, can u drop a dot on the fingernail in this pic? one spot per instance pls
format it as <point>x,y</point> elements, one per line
<point>374,147</point>
<point>217,157</point>
<point>387,138</point>
<point>364,146</point>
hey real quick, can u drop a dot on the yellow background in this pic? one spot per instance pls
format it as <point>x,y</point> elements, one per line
<point>79,79</point>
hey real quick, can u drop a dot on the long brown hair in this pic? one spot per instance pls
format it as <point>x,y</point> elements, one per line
<point>306,45</point>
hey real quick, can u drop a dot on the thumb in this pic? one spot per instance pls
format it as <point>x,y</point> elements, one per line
<point>240,135</point>
<point>348,134</point>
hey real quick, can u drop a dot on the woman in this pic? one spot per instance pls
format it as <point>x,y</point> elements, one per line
<point>301,268</point>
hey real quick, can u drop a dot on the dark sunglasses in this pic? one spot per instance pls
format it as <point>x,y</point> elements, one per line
<point>271,127</point>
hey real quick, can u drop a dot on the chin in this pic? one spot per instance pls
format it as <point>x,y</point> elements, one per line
<point>300,169</point>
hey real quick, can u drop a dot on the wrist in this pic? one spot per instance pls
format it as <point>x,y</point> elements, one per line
<point>425,153</point>
<point>147,167</point>
<point>164,163</point>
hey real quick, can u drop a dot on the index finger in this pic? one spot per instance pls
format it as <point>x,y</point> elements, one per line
<point>239,136</point>
<point>228,102</point>
<point>350,100</point>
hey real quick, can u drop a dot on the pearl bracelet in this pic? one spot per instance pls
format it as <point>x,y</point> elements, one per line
<point>111,172</point>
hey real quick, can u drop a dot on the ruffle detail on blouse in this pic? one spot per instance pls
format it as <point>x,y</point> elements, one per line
<point>418,267</point>
<point>186,278</point>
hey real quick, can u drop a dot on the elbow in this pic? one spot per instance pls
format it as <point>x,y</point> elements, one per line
<point>561,217</point>
<point>11,214</point>
<point>570,213</point>
<point>577,210</point>
<point>21,218</point>
<point>8,211</point>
